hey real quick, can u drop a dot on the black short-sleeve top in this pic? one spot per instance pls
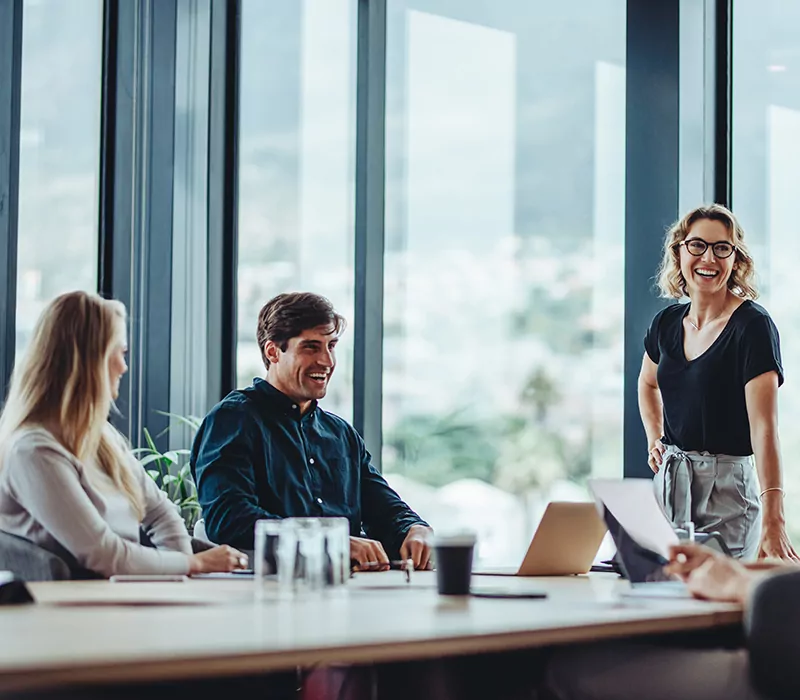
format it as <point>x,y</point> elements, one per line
<point>704,401</point>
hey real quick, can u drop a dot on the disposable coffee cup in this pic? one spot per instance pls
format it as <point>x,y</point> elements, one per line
<point>453,555</point>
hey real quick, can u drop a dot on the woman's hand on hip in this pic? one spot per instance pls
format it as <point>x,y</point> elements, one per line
<point>775,544</point>
<point>655,455</point>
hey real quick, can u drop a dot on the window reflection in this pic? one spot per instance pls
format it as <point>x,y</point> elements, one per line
<point>504,259</point>
<point>296,167</point>
<point>766,170</point>
<point>59,153</point>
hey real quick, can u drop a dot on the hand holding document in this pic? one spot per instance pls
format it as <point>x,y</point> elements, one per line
<point>633,503</point>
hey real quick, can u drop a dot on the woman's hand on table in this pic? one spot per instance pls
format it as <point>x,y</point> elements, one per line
<point>222,558</point>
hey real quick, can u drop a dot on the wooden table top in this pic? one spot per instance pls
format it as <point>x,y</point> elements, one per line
<point>97,631</point>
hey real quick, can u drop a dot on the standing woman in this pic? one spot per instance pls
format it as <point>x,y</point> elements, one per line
<point>68,481</point>
<point>708,390</point>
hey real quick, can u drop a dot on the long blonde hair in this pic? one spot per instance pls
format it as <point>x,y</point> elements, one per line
<point>671,283</point>
<point>62,380</point>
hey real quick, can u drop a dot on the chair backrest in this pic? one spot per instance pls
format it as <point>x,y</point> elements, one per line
<point>29,561</point>
<point>200,530</point>
<point>771,623</point>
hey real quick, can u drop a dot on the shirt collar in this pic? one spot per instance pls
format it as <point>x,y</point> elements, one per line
<point>278,401</point>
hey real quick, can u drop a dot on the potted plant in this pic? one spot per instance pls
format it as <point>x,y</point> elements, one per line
<point>171,472</point>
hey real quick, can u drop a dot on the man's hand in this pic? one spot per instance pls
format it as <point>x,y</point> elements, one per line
<point>709,574</point>
<point>369,554</point>
<point>417,547</point>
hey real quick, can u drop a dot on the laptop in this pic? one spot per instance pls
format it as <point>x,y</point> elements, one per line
<point>565,542</point>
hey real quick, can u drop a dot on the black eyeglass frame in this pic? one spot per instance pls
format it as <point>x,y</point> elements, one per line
<point>706,246</point>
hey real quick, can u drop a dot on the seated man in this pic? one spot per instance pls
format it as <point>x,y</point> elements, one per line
<point>667,671</point>
<point>269,451</point>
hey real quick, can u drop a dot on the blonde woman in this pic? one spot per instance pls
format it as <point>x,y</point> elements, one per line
<point>708,390</point>
<point>68,481</point>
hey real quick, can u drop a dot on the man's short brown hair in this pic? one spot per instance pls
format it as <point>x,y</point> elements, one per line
<point>286,316</point>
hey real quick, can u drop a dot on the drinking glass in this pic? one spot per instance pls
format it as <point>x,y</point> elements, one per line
<point>275,552</point>
<point>307,575</point>
<point>336,544</point>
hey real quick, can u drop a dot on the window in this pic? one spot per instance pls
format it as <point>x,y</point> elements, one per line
<point>188,357</point>
<point>505,185</point>
<point>296,168</point>
<point>766,169</point>
<point>59,153</point>
<point>694,99</point>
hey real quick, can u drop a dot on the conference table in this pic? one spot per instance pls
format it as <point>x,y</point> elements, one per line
<point>81,632</point>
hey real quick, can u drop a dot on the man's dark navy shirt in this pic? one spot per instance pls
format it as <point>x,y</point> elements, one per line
<point>256,457</point>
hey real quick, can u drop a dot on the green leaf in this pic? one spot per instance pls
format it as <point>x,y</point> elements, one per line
<point>141,451</point>
<point>150,459</point>
<point>171,456</point>
<point>154,474</point>
<point>192,422</point>
<point>186,471</point>
<point>149,440</point>
<point>189,504</point>
<point>169,479</point>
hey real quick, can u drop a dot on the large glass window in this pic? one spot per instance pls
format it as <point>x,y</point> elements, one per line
<point>766,170</point>
<point>504,259</point>
<point>693,100</point>
<point>297,167</point>
<point>59,153</point>
<point>188,357</point>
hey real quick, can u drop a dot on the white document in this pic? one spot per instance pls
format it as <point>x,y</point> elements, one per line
<point>633,503</point>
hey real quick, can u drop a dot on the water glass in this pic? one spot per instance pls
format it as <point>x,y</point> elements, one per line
<point>336,543</point>
<point>275,548</point>
<point>307,575</point>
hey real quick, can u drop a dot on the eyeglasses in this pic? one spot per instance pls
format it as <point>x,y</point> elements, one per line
<point>697,246</point>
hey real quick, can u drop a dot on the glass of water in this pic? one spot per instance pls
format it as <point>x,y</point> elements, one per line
<point>307,576</point>
<point>336,543</point>
<point>275,545</point>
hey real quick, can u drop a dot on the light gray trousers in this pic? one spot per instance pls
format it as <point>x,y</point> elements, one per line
<point>718,493</point>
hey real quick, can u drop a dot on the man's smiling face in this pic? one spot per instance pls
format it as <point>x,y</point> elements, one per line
<point>302,371</point>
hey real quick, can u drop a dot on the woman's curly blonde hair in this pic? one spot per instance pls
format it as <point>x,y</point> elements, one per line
<point>671,283</point>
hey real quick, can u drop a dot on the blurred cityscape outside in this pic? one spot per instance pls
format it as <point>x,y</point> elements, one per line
<point>505,184</point>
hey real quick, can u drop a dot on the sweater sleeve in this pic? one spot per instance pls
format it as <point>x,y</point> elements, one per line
<point>48,486</point>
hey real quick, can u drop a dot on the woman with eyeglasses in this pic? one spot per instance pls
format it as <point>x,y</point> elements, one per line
<point>708,390</point>
<point>68,481</point>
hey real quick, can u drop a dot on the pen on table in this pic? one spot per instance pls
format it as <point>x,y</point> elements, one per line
<point>401,564</point>
<point>406,565</point>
